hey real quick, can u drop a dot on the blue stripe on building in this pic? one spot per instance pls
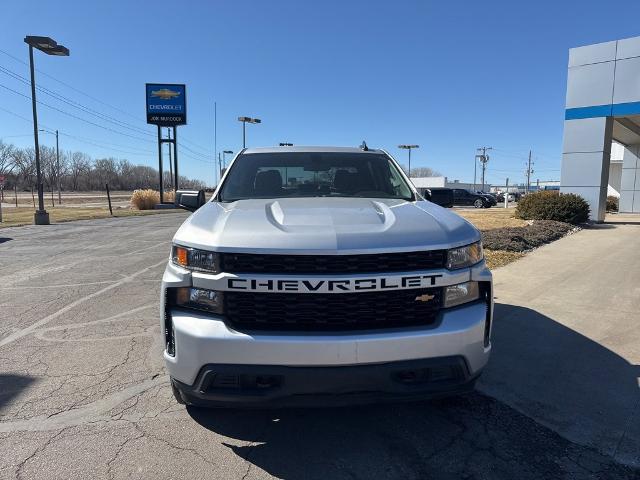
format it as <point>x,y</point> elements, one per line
<point>588,112</point>
<point>631,108</point>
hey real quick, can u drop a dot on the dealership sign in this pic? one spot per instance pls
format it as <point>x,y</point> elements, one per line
<point>166,104</point>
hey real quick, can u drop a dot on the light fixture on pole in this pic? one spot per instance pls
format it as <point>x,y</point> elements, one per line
<point>50,47</point>
<point>286,144</point>
<point>244,121</point>
<point>409,147</point>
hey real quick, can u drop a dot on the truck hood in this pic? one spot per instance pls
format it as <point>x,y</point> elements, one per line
<point>324,225</point>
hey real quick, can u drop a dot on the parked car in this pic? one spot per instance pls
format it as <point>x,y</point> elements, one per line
<point>492,197</point>
<point>439,195</point>
<point>463,197</point>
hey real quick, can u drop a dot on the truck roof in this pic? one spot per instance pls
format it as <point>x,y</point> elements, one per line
<point>311,149</point>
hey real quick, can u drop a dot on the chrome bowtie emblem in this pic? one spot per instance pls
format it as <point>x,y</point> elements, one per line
<point>425,298</point>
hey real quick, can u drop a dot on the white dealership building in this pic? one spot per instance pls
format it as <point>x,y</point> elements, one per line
<point>603,116</point>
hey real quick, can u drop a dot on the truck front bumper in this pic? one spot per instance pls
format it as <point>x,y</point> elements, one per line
<point>278,386</point>
<point>216,365</point>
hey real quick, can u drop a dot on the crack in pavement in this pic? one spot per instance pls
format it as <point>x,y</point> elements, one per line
<point>26,331</point>
<point>82,415</point>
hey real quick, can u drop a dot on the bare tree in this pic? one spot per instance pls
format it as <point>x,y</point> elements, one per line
<point>48,166</point>
<point>105,170</point>
<point>78,172</point>
<point>7,152</point>
<point>417,172</point>
<point>24,162</point>
<point>79,165</point>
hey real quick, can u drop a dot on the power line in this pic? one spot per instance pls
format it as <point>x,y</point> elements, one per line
<point>75,116</point>
<point>184,139</point>
<point>94,142</point>
<point>70,86</point>
<point>75,104</point>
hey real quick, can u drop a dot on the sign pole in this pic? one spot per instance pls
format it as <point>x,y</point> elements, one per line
<point>160,164</point>
<point>175,157</point>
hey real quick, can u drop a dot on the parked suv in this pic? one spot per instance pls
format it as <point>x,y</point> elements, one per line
<point>318,275</point>
<point>463,197</point>
<point>439,195</point>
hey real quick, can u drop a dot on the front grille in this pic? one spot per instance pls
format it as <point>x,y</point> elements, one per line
<point>331,264</point>
<point>339,311</point>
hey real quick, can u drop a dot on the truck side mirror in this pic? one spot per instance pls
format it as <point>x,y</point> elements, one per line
<point>190,200</point>
<point>427,194</point>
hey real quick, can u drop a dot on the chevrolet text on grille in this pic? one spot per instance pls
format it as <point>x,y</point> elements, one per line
<point>344,285</point>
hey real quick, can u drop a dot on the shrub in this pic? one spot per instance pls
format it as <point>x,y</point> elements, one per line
<point>148,198</point>
<point>612,203</point>
<point>145,199</point>
<point>552,205</point>
<point>521,239</point>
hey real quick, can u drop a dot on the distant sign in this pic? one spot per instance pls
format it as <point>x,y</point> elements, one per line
<point>166,104</point>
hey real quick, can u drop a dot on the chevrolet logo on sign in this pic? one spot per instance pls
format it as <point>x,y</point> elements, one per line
<point>165,94</point>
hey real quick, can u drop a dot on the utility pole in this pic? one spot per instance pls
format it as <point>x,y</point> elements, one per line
<point>483,158</point>
<point>58,169</point>
<point>528,172</point>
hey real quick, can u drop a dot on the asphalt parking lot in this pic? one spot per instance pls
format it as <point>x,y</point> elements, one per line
<point>84,394</point>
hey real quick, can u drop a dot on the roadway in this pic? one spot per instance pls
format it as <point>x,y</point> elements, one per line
<point>84,394</point>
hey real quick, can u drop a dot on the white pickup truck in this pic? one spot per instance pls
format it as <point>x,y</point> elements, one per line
<point>318,275</point>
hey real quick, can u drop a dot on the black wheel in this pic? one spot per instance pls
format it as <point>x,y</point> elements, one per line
<point>478,203</point>
<point>177,394</point>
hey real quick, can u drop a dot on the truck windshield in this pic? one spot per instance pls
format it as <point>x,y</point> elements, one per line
<point>309,174</point>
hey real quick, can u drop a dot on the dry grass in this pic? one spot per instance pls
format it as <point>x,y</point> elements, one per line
<point>147,199</point>
<point>14,217</point>
<point>500,258</point>
<point>490,218</point>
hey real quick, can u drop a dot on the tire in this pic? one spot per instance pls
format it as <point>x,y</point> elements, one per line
<point>478,203</point>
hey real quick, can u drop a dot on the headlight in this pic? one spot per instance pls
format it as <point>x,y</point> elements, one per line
<point>464,256</point>
<point>196,298</point>
<point>455,295</point>
<point>194,259</point>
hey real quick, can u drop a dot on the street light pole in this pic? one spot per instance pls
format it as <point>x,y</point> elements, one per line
<point>50,47</point>
<point>244,121</point>
<point>58,168</point>
<point>41,217</point>
<point>409,147</point>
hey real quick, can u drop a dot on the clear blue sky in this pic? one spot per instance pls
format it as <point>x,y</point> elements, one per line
<point>450,76</point>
